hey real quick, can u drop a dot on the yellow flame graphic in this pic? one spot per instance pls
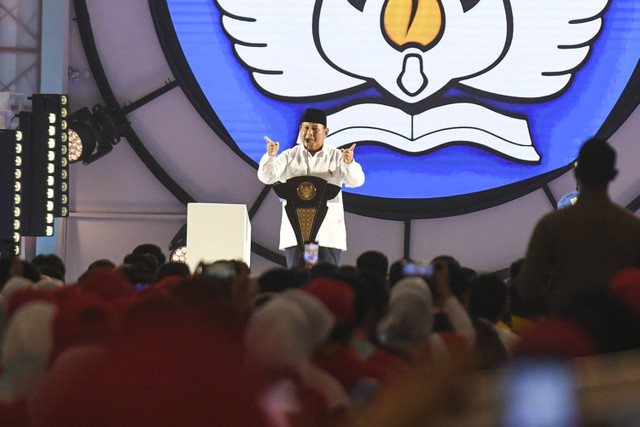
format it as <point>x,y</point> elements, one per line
<point>423,29</point>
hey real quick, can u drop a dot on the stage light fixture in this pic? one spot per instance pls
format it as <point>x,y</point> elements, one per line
<point>179,255</point>
<point>75,146</point>
<point>178,246</point>
<point>37,174</point>
<point>55,108</point>
<point>11,162</point>
<point>93,133</point>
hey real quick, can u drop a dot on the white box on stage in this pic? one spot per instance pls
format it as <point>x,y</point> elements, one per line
<point>217,231</point>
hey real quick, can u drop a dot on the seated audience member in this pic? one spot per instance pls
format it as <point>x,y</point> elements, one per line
<point>396,271</point>
<point>173,268</point>
<point>487,305</point>
<point>228,280</point>
<point>13,285</point>
<point>518,318</point>
<point>26,295</point>
<point>579,249</point>
<point>370,305</point>
<point>338,356</point>
<point>26,349</point>
<point>591,323</point>
<point>278,279</point>
<point>100,263</point>
<point>107,283</point>
<point>375,262</point>
<point>50,265</point>
<point>166,368</point>
<point>140,269</point>
<point>164,286</point>
<point>49,284</point>
<point>448,275</point>
<point>461,288</point>
<point>199,292</point>
<point>408,326</point>
<point>281,337</point>
<point>459,280</point>
<point>15,274</point>
<point>82,319</point>
<point>448,271</point>
<point>15,267</point>
<point>323,269</point>
<point>152,250</point>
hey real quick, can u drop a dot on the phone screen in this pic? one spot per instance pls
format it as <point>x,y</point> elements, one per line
<point>311,253</point>
<point>219,269</point>
<point>422,269</point>
<point>539,393</point>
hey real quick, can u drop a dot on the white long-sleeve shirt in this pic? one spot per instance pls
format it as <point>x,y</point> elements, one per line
<point>327,164</point>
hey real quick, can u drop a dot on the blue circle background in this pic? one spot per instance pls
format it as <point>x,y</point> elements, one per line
<point>558,127</point>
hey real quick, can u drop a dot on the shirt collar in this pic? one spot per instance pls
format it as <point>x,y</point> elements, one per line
<point>319,153</point>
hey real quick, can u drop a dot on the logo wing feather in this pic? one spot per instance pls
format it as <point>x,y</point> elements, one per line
<point>277,47</point>
<point>551,41</point>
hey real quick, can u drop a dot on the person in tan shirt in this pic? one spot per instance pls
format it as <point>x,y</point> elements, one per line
<point>579,249</point>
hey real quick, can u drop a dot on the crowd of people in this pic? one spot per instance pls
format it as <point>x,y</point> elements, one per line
<point>146,342</point>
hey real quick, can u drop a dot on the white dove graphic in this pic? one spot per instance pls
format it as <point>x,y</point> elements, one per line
<point>413,50</point>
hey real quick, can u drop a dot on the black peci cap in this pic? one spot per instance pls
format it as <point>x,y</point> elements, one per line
<point>313,115</point>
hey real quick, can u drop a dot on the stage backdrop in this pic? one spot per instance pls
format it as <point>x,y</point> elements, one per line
<point>454,105</point>
<point>479,204</point>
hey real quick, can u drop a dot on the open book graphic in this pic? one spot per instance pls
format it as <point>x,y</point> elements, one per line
<point>457,123</point>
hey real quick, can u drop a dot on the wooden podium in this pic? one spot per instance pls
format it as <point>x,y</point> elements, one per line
<point>306,207</point>
<point>217,231</point>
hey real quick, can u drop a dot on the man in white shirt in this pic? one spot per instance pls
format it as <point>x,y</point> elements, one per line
<point>312,157</point>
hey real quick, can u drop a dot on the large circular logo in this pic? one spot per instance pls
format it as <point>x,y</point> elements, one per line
<point>454,105</point>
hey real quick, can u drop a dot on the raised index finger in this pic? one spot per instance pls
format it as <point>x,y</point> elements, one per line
<point>352,147</point>
<point>268,140</point>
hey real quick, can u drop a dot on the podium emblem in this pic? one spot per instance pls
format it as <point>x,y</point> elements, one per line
<point>306,191</point>
<point>306,205</point>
